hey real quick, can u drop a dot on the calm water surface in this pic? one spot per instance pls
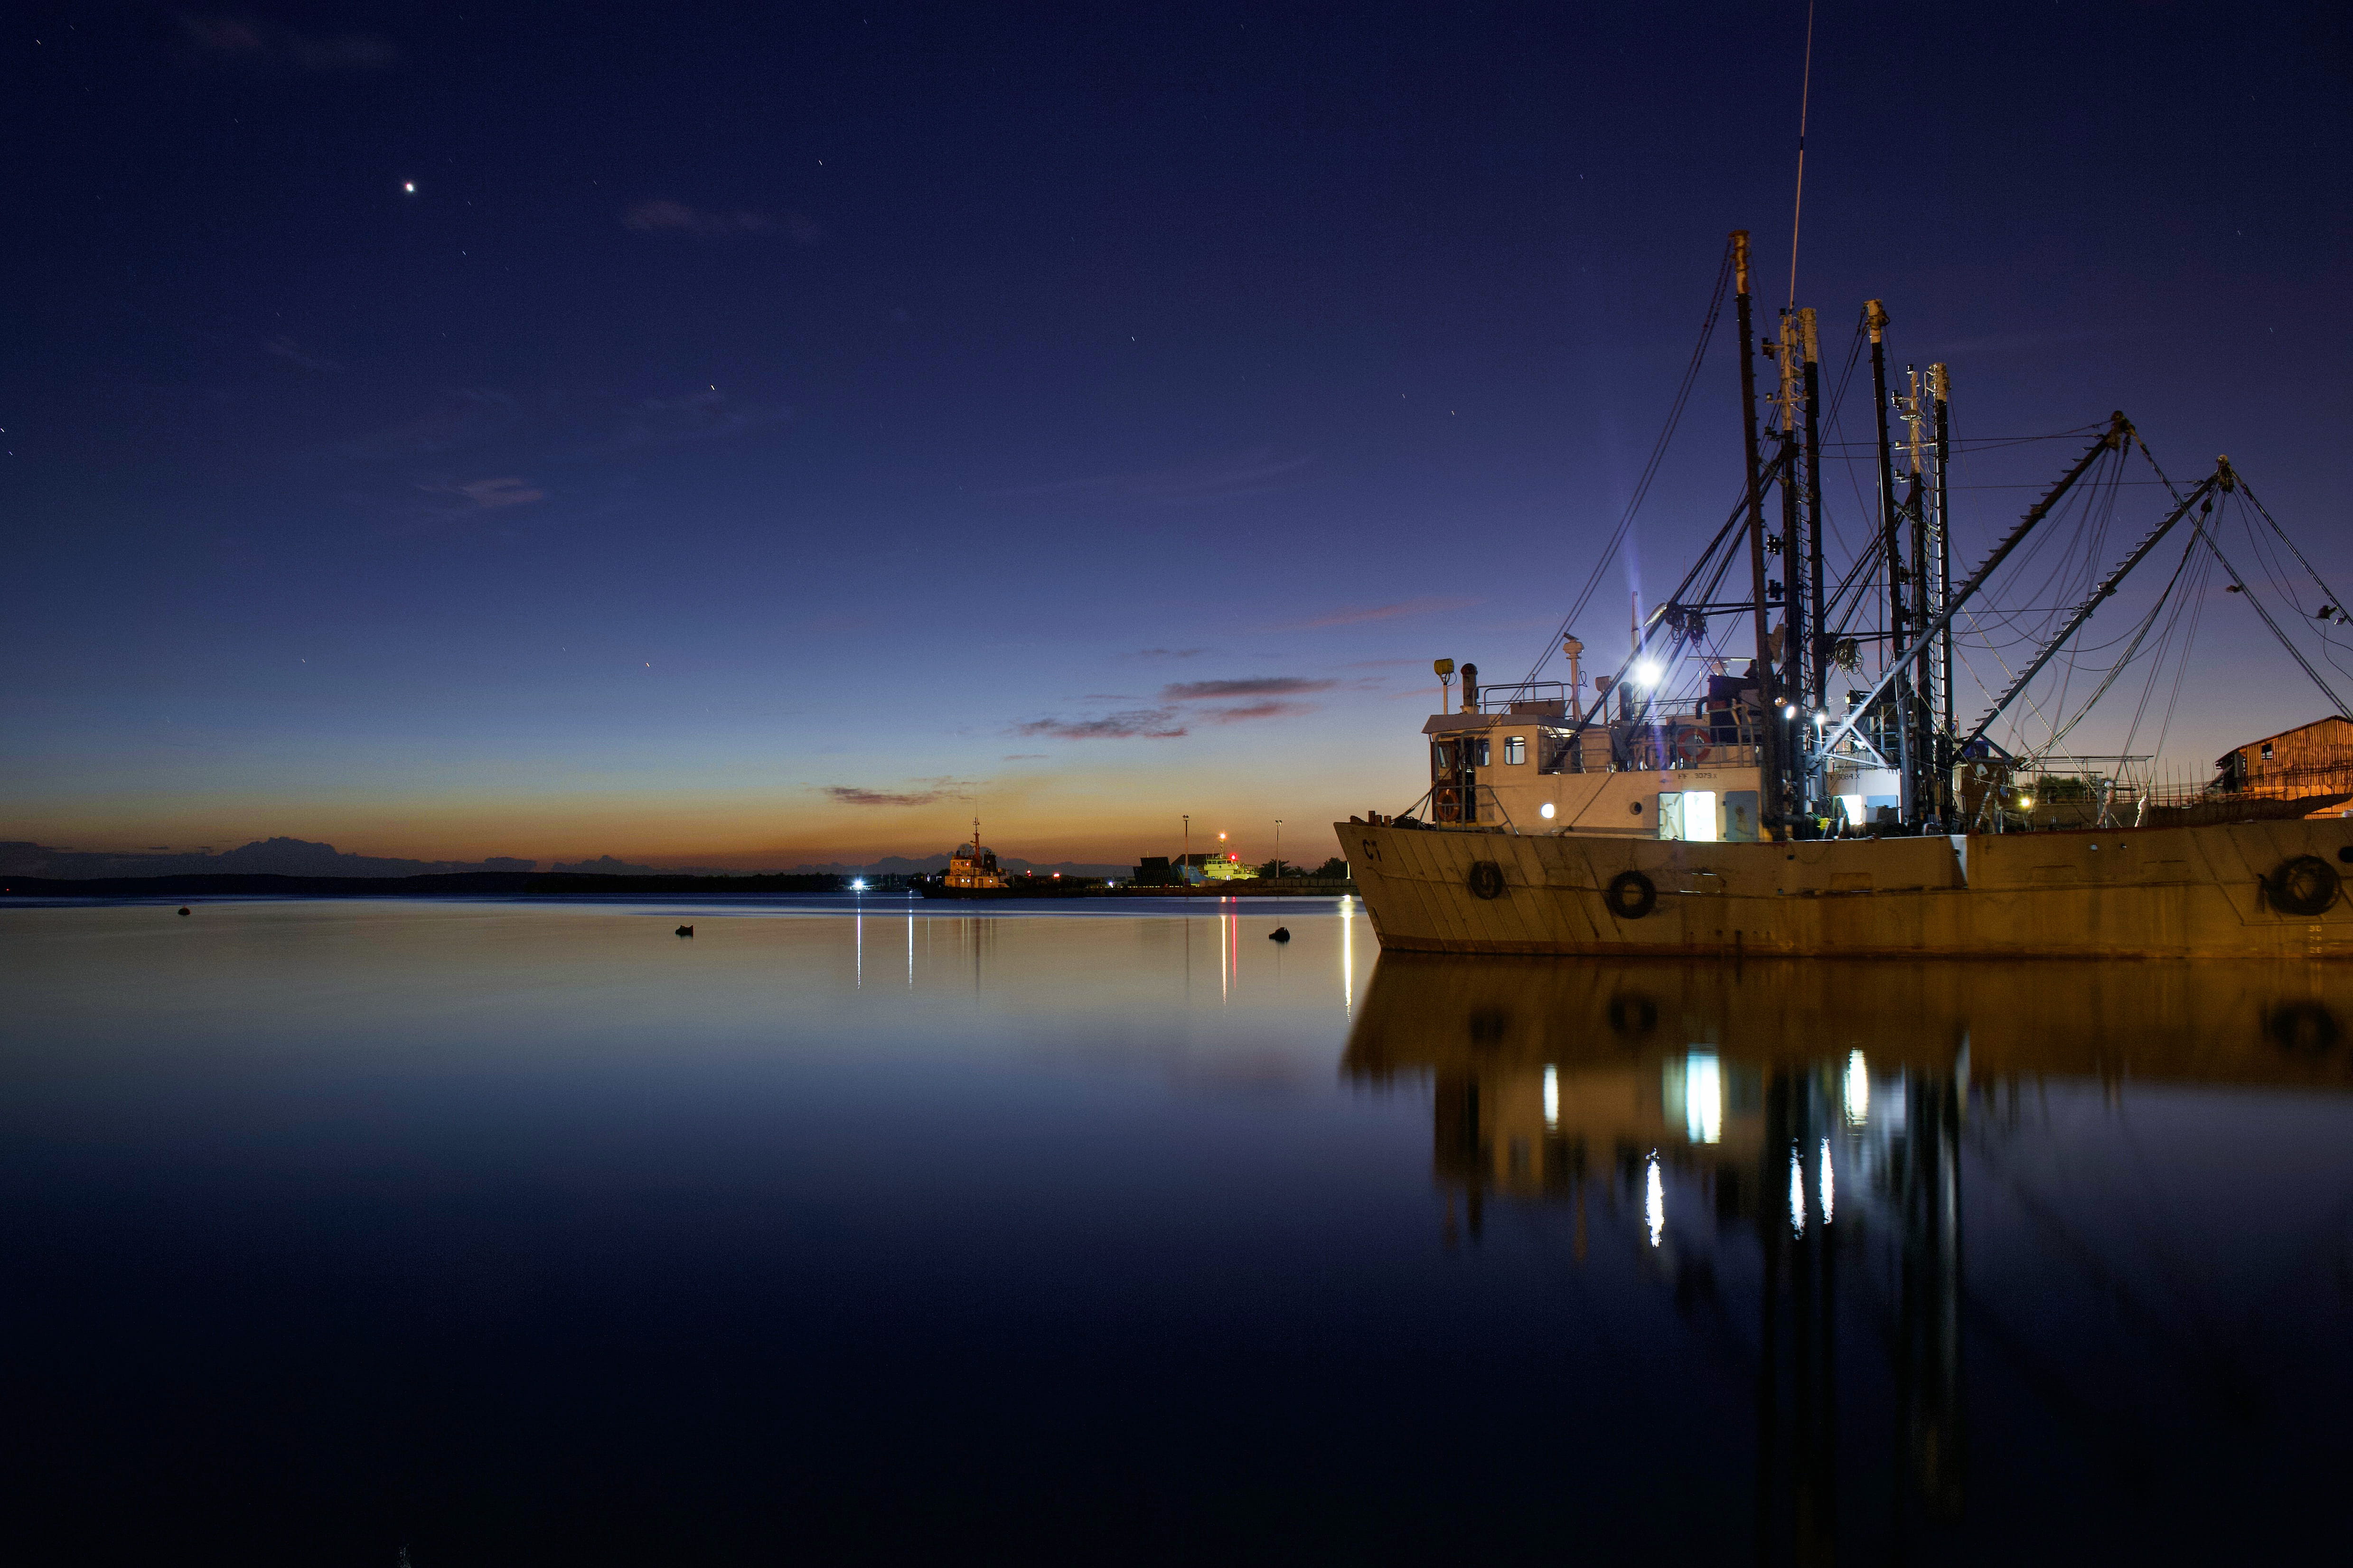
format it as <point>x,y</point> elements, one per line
<point>506,1232</point>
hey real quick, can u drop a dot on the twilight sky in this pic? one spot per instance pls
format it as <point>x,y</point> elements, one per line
<point>765,433</point>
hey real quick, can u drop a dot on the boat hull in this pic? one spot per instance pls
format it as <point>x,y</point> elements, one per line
<point>2184,893</point>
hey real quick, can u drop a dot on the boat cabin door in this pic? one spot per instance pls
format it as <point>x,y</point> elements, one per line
<point>1455,765</point>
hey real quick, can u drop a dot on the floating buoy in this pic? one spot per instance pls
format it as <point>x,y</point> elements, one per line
<point>686,931</point>
<point>1280,933</point>
<point>183,909</point>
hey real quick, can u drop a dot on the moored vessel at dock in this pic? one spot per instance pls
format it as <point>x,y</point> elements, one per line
<point>1741,807</point>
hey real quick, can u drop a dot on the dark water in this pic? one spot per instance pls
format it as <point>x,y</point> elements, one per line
<point>510,1233</point>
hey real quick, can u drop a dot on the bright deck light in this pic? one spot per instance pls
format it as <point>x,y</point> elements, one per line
<point>1647,673</point>
<point>1544,811</point>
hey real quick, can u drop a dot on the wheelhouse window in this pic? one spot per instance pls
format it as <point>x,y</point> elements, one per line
<point>1484,754</point>
<point>1515,750</point>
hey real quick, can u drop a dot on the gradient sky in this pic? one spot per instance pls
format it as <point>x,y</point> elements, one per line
<point>766,432</point>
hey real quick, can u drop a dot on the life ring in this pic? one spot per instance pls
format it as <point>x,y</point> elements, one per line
<point>1630,895</point>
<point>1633,1014</point>
<point>1691,745</point>
<point>2304,885</point>
<point>1486,879</point>
<point>2304,1028</point>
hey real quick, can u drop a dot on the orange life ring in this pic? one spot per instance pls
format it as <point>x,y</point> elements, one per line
<point>1691,745</point>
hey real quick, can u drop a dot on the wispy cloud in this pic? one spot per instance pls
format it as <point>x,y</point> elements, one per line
<point>1258,471</point>
<point>698,416</point>
<point>849,794</point>
<point>1271,694</point>
<point>453,506</point>
<point>459,418</point>
<point>933,790</point>
<point>293,354</point>
<point>253,43</point>
<point>1149,723</point>
<point>1270,709</point>
<point>491,495</point>
<point>1254,686</point>
<point>1357,615</point>
<point>677,218</point>
<point>1168,653</point>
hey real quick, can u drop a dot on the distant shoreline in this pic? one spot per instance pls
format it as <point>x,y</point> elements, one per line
<point>537,884</point>
<point>560,884</point>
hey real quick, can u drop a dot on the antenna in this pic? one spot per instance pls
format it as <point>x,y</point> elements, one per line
<point>1805,95</point>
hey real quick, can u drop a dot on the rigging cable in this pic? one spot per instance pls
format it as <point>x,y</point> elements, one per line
<point>1650,470</point>
<point>2296,653</point>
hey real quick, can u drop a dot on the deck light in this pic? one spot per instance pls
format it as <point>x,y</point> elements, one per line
<point>1544,811</point>
<point>1648,673</point>
<point>1654,1199</point>
<point>1790,711</point>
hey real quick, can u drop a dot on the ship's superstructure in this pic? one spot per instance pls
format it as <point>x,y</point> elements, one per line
<point>972,868</point>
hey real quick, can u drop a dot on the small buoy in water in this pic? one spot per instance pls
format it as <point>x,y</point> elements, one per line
<point>686,931</point>
<point>183,909</point>
<point>1280,933</point>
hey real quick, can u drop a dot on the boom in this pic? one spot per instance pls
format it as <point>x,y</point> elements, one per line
<point>2204,489</point>
<point>2119,432</point>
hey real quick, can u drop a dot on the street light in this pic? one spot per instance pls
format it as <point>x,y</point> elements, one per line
<point>1278,849</point>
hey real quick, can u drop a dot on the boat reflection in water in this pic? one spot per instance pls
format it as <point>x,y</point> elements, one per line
<point>1790,1153</point>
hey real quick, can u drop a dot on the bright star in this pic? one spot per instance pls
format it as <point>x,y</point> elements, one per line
<point>408,185</point>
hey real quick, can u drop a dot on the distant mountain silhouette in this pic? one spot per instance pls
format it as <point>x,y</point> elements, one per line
<point>301,857</point>
<point>264,857</point>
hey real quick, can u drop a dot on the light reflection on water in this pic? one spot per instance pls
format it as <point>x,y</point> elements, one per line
<point>495,1228</point>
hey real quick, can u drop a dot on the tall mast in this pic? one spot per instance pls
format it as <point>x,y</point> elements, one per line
<point>1891,555</point>
<point>1769,717</point>
<point>1794,623</point>
<point>1819,640</point>
<point>1927,599</point>
<point>1939,392</point>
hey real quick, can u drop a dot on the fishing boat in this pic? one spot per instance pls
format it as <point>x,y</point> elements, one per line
<point>1817,797</point>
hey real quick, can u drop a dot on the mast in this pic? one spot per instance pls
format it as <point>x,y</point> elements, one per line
<point>1794,624</point>
<point>1820,643</point>
<point>1892,553</point>
<point>1939,390</point>
<point>1768,717</point>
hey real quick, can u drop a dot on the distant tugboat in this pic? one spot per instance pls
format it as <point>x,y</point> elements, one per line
<point>972,873</point>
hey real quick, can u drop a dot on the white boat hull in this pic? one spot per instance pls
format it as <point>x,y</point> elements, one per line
<point>2180,892</point>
